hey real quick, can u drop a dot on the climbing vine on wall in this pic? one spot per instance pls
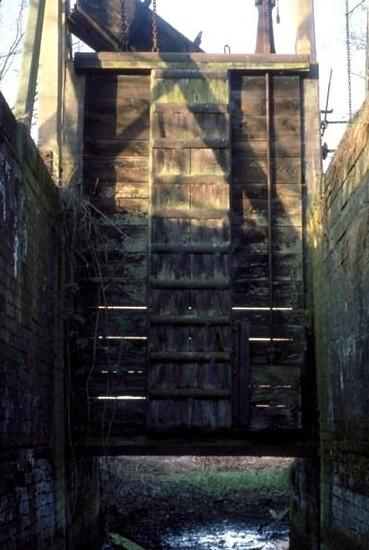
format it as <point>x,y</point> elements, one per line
<point>86,252</point>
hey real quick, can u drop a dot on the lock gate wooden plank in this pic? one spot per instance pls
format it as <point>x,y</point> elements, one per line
<point>196,303</point>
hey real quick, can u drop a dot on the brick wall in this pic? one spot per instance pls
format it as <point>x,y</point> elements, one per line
<point>340,241</point>
<point>39,487</point>
<point>305,505</point>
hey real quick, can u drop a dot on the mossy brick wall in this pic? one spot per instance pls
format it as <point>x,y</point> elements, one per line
<point>339,236</point>
<point>40,489</point>
<point>305,505</point>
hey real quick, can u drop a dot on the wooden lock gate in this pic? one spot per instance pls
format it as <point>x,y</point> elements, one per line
<point>196,171</point>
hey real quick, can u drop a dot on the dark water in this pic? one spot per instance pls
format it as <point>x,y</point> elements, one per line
<point>178,505</point>
<point>225,535</point>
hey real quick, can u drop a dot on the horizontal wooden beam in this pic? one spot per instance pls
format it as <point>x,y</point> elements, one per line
<point>180,248</point>
<point>170,74</point>
<point>180,179</point>
<point>98,389</point>
<point>189,320</point>
<point>189,214</point>
<point>289,444</point>
<point>147,61</point>
<point>217,108</point>
<point>197,143</point>
<point>192,393</point>
<point>112,279</point>
<point>91,32</point>
<point>190,357</point>
<point>191,284</point>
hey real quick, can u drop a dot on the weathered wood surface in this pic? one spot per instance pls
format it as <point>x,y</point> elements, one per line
<point>193,246</point>
<point>120,356</point>
<point>190,339</point>
<point>119,323</point>
<point>191,61</point>
<point>242,375</point>
<point>190,414</point>
<point>116,180</point>
<point>265,31</point>
<point>115,418</point>
<point>268,152</point>
<point>87,29</point>
<point>289,443</point>
<point>99,24</point>
<point>190,356</point>
<point>187,387</point>
<point>115,384</point>
<point>174,376</point>
<point>207,302</point>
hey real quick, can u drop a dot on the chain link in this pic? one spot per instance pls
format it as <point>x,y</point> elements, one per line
<point>155,37</point>
<point>124,26</point>
<point>348,54</point>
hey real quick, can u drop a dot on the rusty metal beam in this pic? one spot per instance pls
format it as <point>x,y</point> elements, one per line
<point>104,27</point>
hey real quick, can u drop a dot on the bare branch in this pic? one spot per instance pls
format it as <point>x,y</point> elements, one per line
<point>14,47</point>
<point>17,52</point>
<point>361,3</point>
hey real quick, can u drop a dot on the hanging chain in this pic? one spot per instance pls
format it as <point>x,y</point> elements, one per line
<point>155,37</point>
<point>278,18</point>
<point>124,26</point>
<point>348,54</point>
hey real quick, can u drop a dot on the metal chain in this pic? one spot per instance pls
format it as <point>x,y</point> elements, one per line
<point>155,37</point>
<point>348,54</point>
<point>124,26</point>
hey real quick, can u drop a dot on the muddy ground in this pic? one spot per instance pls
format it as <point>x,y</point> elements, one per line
<point>187,502</point>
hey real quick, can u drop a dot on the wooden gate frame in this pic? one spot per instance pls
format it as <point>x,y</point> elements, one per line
<point>288,444</point>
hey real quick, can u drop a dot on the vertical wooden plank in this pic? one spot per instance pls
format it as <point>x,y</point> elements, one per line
<point>185,160</point>
<point>312,168</point>
<point>267,271</point>
<point>115,170</point>
<point>270,198</point>
<point>244,374</point>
